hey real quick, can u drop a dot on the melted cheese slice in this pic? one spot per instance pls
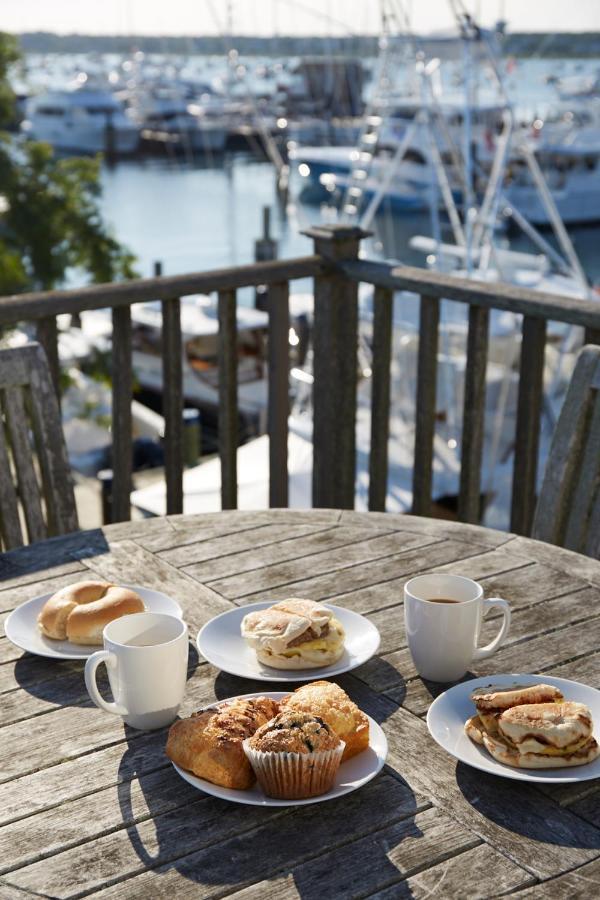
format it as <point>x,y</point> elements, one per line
<point>333,641</point>
<point>556,751</point>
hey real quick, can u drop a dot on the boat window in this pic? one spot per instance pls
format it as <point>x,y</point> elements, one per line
<point>51,111</point>
<point>415,156</point>
<point>99,110</point>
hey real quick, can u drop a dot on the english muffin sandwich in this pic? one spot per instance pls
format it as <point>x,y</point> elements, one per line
<point>492,700</point>
<point>294,634</point>
<point>544,736</point>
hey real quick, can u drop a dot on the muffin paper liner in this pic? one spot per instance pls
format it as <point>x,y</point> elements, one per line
<point>295,776</point>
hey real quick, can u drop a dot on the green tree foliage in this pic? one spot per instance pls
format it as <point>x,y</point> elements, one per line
<point>50,218</point>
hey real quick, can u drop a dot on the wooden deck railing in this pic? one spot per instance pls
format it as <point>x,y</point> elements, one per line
<point>337,272</point>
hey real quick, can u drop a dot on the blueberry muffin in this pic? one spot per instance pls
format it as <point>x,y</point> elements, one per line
<point>294,756</point>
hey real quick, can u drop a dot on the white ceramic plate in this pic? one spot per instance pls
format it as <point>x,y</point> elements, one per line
<point>22,629</point>
<point>449,712</point>
<point>351,774</point>
<point>221,643</point>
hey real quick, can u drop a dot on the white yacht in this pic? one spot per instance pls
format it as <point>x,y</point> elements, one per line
<point>84,119</point>
<point>163,112</point>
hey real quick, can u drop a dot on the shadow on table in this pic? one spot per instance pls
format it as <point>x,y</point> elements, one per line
<point>225,845</point>
<point>53,552</point>
<point>62,682</point>
<point>376,705</point>
<point>523,809</point>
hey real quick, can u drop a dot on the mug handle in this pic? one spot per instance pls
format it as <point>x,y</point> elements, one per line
<point>110,661</point>
<point>483,652</point>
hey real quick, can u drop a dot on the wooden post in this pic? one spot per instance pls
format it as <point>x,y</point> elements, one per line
<point>429,320</point>
<point>334,393</point>
<point>122,389</point>
<point>279,369</point>
<point>380,397</point>
<point>228,405</point>
<point>173,404</point>
<point>105,477</point>
<point>473,415</point>
<point>265,248</point>
<point>191,436</point>
<point>531,387</point>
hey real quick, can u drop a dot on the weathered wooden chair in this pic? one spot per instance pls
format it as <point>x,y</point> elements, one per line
<point>568,508</point>
<point>36,487</point>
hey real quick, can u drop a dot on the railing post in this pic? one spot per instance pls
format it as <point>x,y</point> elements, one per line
<point>531,389</point>
<point>334,392</point>
<point>473,415</point>
<point>279,403</point>
<point>172,406</point>
<point>122,391</point>
<point>228,405</point>
<point>429,320</point>
<point>383,307</point>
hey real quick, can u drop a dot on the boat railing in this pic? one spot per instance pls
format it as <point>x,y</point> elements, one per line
<point>337,270</point>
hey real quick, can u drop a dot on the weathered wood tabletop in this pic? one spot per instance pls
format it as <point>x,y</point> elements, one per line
<point>90,807</point>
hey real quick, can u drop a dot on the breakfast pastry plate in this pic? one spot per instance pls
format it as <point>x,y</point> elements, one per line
<point>22,629</point>
<point>220,642</point>
<point>351,775</point>
<point>449,712</point>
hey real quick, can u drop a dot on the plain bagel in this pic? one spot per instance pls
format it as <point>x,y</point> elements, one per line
<point>79,612</point>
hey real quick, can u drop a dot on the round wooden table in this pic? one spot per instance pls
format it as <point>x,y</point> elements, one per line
<point>88,806</point>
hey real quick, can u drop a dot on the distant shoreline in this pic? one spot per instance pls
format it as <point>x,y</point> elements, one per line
<point>580,45</point>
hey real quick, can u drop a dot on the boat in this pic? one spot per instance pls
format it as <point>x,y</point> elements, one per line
<point>199,326</point>
<point>166,115</point>
<point>86,118</point>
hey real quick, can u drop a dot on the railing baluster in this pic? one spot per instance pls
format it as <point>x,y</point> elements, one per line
<point>380,397</point>
<point>334,392</point>
<point>473,415</point>
<point>122,388</point>
<point>173,404</point>
<point>429,320</point>
<point>531,386</point>
<point>228,406</point>
<point>47,335</point>
<point>279,325</point>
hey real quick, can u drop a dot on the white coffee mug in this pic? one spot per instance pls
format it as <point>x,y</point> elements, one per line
<point>146,655</point>
<point>443,636</point>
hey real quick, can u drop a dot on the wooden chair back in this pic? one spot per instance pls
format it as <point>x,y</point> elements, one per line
<point>568,507</point>
<point>36,487</point>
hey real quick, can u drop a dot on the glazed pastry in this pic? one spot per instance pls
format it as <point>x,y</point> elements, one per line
<point>209,743</point>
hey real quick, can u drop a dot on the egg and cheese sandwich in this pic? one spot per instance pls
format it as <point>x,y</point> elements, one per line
<point>294,634</point>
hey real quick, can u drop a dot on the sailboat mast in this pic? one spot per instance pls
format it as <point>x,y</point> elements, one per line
<point>468,210</point>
